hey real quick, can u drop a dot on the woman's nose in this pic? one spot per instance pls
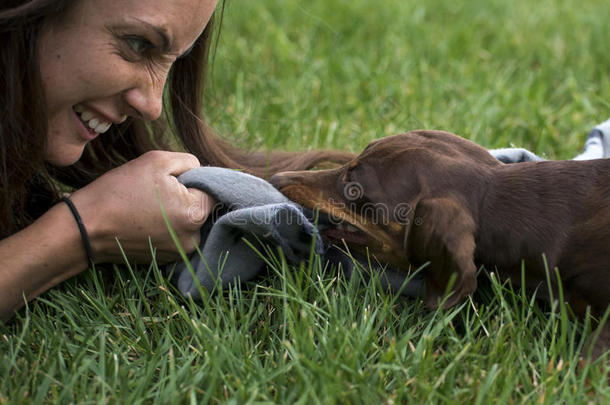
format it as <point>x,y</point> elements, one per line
<point>146,98</point>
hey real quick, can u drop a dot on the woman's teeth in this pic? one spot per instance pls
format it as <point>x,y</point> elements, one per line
<point>91,120</point>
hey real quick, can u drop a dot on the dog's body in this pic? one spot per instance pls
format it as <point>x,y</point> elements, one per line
<point>560,209</point>
<point>465,208</point>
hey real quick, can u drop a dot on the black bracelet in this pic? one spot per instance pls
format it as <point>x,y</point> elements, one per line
<point>81,228</point>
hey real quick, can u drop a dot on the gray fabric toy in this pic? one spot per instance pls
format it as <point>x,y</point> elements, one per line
<point>250,209</point>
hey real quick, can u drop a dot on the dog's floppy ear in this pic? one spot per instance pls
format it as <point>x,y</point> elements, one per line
<point>442,233</point>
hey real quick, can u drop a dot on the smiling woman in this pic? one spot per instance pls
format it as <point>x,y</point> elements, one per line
<point>97,73</point>
<point>82,107</point>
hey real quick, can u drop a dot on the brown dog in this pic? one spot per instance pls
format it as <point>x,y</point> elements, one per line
<point>431,196</point>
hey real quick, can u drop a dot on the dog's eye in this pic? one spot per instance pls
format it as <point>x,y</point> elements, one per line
<point>352,189</point>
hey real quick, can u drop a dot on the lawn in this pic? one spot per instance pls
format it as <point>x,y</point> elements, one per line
<point>336,74</point>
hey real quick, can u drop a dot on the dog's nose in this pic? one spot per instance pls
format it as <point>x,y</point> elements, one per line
<point>281,180</point>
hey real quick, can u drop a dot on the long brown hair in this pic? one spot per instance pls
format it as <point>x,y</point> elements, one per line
<point>28,185</point>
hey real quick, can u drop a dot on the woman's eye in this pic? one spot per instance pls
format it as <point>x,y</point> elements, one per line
<point>138,45</point>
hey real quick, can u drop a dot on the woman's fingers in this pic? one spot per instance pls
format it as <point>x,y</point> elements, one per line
<point>176,163</point>
<point>200,208</point>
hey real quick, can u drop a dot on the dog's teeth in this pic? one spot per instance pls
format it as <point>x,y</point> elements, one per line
<point>346,227</point>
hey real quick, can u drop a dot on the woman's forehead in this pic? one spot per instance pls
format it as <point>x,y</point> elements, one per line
<point>181,21</point>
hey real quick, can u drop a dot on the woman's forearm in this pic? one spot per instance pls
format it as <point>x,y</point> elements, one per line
<point>39,257</point>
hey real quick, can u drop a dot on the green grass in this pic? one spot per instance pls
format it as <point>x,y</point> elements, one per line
<point>337,73</point>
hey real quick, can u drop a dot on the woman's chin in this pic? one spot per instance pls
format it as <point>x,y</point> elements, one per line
<point>67,156</point>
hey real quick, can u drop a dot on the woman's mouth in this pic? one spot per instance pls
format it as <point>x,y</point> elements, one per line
<point>92,123</point>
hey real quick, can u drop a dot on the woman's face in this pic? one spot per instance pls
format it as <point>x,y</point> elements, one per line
<point>105,60</point>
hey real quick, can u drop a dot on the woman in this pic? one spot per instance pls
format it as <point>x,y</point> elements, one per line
<point>82,86</point>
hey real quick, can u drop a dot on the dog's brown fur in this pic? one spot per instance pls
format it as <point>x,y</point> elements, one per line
<point>464,208</point>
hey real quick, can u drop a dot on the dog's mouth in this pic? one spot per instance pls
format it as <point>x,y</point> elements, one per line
<point>342,231</point>
<point>345,232</point>
<point>342,226</point>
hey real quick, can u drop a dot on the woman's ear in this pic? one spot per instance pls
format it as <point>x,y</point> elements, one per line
<point>442,233</point>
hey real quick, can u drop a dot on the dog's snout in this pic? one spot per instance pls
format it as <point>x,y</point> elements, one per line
<point>281,180</point>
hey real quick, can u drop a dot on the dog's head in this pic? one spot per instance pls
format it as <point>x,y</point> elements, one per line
<point>400,201</point>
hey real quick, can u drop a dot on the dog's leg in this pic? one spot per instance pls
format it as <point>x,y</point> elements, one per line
<point>444,237</point>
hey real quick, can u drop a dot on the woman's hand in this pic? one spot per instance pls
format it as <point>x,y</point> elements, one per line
<point>125,205</point>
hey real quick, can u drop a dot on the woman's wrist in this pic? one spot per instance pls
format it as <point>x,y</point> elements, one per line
<point>39,257</point>
<point>81,228</point>
<point>96,222</point>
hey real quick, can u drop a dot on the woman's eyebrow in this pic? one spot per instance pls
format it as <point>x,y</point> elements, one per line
<point>166,43</point>
<point>163,37</point>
